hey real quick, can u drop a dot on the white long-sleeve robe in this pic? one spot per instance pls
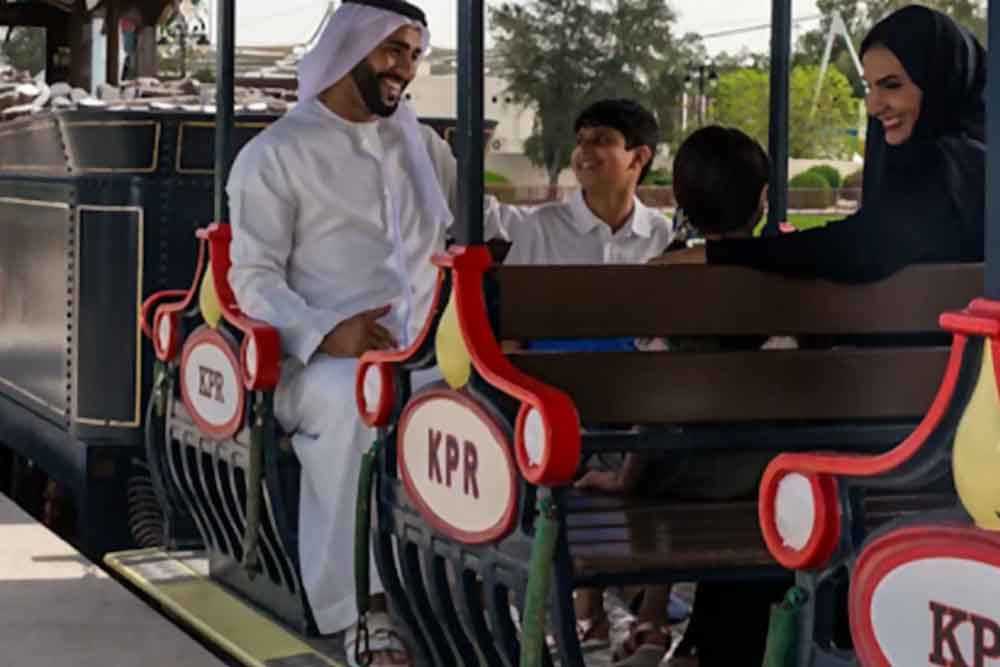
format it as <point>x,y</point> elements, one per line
<point>312,202</point>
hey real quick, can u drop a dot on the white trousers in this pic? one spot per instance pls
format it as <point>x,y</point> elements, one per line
<point>316,404</point>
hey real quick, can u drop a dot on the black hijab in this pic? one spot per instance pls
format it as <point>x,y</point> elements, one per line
<point>948,64</point>
<point>923,201</point>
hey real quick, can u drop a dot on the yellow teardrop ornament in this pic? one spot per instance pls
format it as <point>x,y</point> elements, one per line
<point>452,355</point>
<point>976,455</point>
<point>208,300</point>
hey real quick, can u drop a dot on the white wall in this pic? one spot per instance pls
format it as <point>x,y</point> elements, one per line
<point>436,96</point>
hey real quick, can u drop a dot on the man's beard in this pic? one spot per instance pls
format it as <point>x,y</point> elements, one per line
<point>370,85</point>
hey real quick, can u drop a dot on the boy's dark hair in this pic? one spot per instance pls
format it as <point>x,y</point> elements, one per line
<point>635,122</point>
<point>718,176</point>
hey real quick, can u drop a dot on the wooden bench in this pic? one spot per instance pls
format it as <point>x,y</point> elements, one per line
<point>778,399</point>
<point>842,392</point>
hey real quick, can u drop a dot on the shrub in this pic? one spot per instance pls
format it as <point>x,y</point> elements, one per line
<point>659,177</point>
<point>809,180</point>
<point>810,190</point>
<point>493,178</point>
<point>828,172</point>
<point>851,187</point>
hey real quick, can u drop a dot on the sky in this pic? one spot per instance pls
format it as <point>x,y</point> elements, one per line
<point>291,22</point>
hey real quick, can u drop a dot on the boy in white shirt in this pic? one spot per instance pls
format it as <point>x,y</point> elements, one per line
<point>603,222</point>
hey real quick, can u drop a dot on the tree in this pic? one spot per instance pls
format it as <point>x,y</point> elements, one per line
<point>861,15</point>
<point>560,55</point>
<point>25,49</point>
<point>811,44</point>
<point>970,14</point>
<point>742,101</point>
<point>821,131</point>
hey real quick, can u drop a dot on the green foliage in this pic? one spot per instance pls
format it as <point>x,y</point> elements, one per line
<point>560,55</point>
<point>809,180</point>
<point>493,178</point>
<point>205,75</point>
<point>854,180</point>
<point>810,190</point>
<point>801,221</point>
<point>661,177</point>
<point>861,15</point>
<point>742,101</point>
<point>820,131</point>
<point>805,221</point>
<point>829,174</point>
<point>25,50</point>
<point>851,187</point>
<point>968,13</point>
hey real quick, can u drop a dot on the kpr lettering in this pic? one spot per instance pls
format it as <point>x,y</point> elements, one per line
<point>947,652</point>
<point>459,458</point>
<point>210,384</point>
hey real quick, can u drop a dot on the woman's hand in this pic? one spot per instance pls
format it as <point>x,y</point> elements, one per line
<point>695,255</point>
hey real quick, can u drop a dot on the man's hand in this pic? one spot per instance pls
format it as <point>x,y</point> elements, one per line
<point>358,334</point>
<point>695,255</point>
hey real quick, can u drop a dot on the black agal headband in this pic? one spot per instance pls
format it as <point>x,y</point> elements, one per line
<point>400,7</point>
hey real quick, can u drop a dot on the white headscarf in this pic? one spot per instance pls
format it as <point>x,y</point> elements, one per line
<point>353,32</point>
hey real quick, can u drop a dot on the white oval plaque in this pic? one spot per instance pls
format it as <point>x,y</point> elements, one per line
<point>929,607</point>
<point>456,466</point>
<point>210,384</point>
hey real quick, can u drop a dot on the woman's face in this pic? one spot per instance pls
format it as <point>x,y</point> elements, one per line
<point>892,97</point>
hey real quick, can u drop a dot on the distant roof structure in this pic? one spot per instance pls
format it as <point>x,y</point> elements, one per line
<point>277,65</point>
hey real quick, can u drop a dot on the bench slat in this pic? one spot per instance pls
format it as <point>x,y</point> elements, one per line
<point>679,388</point>
<point>645,534</point>
<point>605,301</point>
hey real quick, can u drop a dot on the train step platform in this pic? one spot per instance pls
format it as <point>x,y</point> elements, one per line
<point>58,609</point>
<point>178,582</point>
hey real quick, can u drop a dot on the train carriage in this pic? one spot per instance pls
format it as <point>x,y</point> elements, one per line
<point>473,507</point>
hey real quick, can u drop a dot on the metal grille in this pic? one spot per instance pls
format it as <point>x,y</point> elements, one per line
<point>210,477</point>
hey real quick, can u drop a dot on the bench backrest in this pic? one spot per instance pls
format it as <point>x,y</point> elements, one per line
<point>844,382</point>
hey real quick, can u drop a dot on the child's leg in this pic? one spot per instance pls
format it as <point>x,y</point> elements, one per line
<point>588,603</point>
<point>654,610</point>
<point>648,638</point>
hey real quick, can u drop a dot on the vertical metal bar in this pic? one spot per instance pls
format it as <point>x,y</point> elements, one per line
<point>112,31</point>
<point>781,66</point>
<point>225,46</point>
<point>992,287</point>
<point>469,230</point>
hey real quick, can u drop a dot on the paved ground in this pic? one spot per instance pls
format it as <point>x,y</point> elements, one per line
<point>57,609</point>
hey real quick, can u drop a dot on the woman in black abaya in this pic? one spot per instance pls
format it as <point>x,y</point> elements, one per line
<point>925,163</point>
<point>923,201</point>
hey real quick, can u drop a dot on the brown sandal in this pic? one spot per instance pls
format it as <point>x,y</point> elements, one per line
<point>384,642</point>
<point>634,652</point>
<point>587,633</point>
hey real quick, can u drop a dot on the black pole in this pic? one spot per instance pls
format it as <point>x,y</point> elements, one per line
<point>224,77</point>
<point>781,67</point>
<point>992,287</point>
<point>469,230</point>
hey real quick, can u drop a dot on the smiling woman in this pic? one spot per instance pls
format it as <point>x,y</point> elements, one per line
<point>893,99</point>
<point>924,172</point>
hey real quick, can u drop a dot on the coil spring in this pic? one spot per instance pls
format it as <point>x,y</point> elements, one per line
<point>145,516</point>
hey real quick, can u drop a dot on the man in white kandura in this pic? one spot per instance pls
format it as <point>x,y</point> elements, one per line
<point>337,209</point>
